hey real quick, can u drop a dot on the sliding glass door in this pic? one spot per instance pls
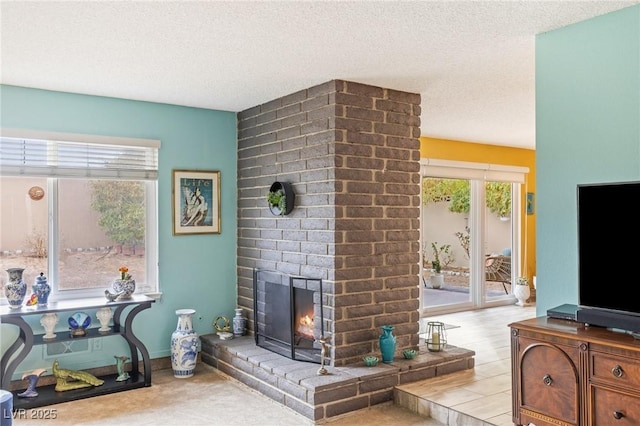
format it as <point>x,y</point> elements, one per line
<point>446,242</point>
<point>470,234</point>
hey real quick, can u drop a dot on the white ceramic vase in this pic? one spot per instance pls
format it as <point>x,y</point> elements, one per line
<point>437,280</point>
<point>522,293</point>
<point>184,345</point>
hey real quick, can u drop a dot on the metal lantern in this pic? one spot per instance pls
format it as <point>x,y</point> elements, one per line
<point>436,336</point>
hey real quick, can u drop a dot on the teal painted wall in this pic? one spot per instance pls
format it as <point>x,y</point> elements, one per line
<point>587,130</point>
<point>196,271</point>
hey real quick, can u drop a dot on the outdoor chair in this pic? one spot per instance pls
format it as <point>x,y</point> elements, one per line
<point>498,268</point>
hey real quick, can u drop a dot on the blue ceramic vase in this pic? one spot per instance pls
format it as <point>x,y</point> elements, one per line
<point>184,345</point>
<point>16,289</point>
<point>42,289</point>
<point>387,343</point>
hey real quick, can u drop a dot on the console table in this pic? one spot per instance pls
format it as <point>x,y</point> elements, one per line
<point>122,322</point>
<point>567,374</point>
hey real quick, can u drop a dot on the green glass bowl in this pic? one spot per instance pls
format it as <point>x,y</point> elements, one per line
<point>409,353</point>
<point>370,361</point>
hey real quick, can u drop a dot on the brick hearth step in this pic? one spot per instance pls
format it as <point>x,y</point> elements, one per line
<point>297,385</point>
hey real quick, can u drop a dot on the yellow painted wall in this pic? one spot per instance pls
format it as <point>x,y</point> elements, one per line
<point>494,154</point>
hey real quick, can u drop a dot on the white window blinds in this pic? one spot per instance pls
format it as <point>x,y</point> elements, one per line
<point>470,170</point>
<point>28,153</point>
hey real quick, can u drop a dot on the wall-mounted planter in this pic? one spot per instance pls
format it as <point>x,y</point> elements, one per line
<point>281,198</point>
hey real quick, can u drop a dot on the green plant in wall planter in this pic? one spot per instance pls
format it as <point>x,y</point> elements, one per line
<point>277,200</point>
<point>280,198</point>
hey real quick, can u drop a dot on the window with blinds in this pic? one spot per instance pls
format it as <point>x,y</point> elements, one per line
<point>95,210</point>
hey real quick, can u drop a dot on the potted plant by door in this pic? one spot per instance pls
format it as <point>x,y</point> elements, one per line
<point>521,291</point>
<point>437,279</point>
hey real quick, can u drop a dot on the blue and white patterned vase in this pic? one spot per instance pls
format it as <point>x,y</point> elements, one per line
<point>124,288</point>
<point>16,289</point>
<point>184,345</point>
<point>42,289</point>
<point>239,323</point>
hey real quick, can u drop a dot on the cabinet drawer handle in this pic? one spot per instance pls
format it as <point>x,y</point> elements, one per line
<point>547,380</point>
<point>618,415</point>
<point>617,371</point>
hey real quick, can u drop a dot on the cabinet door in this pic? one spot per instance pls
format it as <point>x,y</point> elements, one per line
<point>614,408</point>
<point>549,380</point>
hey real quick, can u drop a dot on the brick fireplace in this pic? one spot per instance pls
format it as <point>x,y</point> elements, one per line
<point>351,153</point>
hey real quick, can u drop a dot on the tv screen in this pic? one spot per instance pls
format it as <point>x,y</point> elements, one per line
<point>608,246</point>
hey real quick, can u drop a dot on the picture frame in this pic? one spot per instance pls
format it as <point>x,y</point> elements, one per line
<point>531,206</point>
<point>195,196</point>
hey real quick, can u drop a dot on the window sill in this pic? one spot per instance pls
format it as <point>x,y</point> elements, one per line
<point>157,296</point>
<point>154,295</point>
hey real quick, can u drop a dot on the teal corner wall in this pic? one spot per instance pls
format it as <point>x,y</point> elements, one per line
<point>587,130</point>
<point>195,271</point>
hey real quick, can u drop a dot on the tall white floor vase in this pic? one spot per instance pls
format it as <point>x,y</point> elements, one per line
<point>184,345</point>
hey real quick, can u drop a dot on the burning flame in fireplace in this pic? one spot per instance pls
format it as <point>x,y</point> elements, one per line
<point>305,326</point>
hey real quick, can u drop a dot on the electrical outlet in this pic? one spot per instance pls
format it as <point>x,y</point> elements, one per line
<point>97,344</point>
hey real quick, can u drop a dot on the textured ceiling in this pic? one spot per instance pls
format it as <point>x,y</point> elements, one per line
<point>472,61</point>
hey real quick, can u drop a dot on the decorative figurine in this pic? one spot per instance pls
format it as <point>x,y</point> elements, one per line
<point>223,330</point>
<point>78,324</point>
<point>49,321</point>
<point>32,300</point>
<point>324,344</point>
<point>71,379</point>
<point>122,375</point>
<point>33,377</point>
<point>111,296</point>
<point>104,315</point>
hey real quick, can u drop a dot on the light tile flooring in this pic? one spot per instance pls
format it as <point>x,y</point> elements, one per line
<point>477,397</point>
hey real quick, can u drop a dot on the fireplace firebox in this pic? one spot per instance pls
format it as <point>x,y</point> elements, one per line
<point>288,314</point>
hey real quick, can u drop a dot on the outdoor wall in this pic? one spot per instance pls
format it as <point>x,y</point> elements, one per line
<point>15,222</point>
<point>588,130</point>
<point>439,222</point>
<point>195,271</point>
<point>494,154</point>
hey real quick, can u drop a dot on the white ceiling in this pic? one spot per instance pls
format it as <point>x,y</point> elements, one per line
<point>472,61</point>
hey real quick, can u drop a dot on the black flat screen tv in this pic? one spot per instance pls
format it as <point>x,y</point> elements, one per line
<point>609,255</point>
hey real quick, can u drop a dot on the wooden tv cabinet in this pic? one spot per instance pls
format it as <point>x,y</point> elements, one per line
<point>566,373</point>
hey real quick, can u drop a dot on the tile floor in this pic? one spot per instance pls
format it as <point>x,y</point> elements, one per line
<point>477,397</point>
